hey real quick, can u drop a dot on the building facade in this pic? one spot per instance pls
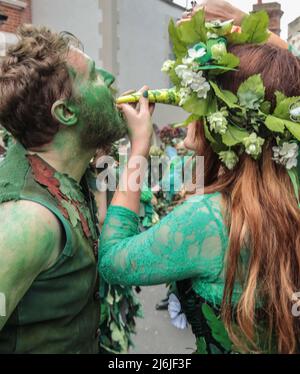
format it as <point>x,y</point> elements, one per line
<point>12,14</point>
<point>294,36</point>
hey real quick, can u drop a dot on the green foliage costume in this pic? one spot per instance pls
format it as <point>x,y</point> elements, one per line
<point>60,311</point>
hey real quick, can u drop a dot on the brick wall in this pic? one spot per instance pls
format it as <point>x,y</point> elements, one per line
<point>16,15</point>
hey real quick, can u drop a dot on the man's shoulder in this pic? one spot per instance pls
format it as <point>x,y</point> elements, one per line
<point>31,227</point>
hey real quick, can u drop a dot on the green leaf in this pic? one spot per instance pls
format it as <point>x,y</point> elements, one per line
<point>229,60</point>
<point>283,108</point>
<point>294,128</point>
<point>234,135</point>
<point>217,327</point>
<point>72,212</point>
<point>275,124</point>
<point>193,31</point>
<point>237,38</point>
<point>174,78</point>
<point>251,93</point>
<point>226,96</point>
<point>208,135</point>
<point>279,97</point>
<point>201,346</point>
<point>266,107</point>
<point>178,47</point>
<point>215,350</point>
<point>200,107</point>
<point>256,27</point>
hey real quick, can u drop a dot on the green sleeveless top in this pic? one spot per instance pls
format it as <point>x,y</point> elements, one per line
<point>60,312</point>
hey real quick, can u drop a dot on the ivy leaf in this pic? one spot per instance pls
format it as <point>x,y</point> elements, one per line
<point>283,108</point>
<point>237,38</point>
<point>72,212</point>
<point>256,27</point>
<point>252,92</point>
<point>234,135</point>
<point>118,336</point>
<point>226,96</point>
<point>178,47</point>
<point>217,327</point>
<point>275,124</point>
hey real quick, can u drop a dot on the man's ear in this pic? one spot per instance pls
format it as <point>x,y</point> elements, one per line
<point>64,113</point>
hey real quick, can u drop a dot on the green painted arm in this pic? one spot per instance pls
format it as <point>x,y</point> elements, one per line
<point>30,242</point>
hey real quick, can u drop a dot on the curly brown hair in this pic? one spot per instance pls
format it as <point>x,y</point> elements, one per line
<point>34,75</point>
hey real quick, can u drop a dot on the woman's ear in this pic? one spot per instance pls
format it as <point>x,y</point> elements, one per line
<point>64,113</point>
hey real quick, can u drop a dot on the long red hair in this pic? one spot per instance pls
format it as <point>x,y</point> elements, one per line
<point>262,215</point>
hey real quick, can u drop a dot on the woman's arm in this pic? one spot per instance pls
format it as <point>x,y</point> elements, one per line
<point>188,243</point>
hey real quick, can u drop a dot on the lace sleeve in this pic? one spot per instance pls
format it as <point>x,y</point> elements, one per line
<point>190,242</point>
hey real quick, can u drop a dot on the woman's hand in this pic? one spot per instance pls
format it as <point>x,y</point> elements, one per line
<point>217,9</point>
<point>139,124</point>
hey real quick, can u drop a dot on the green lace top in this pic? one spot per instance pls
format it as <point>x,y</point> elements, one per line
<point>190,243</point>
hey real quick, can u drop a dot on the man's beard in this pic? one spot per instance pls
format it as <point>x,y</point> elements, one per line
<point>102,126</point>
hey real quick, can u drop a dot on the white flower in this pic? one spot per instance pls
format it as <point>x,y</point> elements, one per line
<point>167,66</point>
<point>187,60</point>
<point>188,78</point>
<point>184,94</point>
<point>178,318</point>
<point>200,85</point>
<point>194,53</point>
<point>286,155</point>
<point>180,69</point>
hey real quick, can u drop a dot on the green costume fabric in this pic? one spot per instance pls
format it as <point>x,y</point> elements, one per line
<point>190,243</point>
<point>60,311</point>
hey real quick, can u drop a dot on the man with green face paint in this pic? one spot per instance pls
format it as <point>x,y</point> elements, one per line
<point>60,109</point>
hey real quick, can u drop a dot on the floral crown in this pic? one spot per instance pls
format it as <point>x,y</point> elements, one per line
<point>233,124</point>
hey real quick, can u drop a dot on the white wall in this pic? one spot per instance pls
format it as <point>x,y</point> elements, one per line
<point>144,46</point>
<point>80,17</point>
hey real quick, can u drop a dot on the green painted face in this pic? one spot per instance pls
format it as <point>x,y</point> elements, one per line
<point>100,121</point>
